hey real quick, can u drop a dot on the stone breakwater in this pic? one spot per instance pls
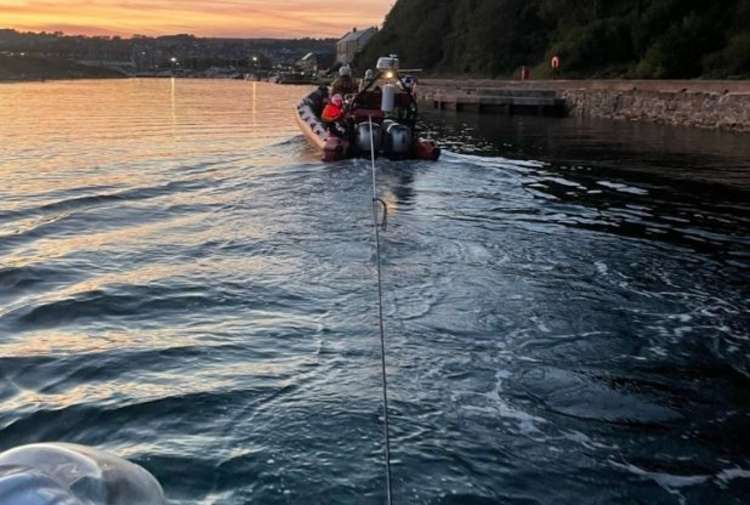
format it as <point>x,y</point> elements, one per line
<point>719,105</point>
<point>712,110</point>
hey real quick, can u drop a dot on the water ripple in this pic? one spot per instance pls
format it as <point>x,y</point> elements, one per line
<point>182,282</point>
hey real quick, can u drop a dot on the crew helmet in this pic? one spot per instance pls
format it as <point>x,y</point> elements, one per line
<point>369,75</point>
<point>345,71</point>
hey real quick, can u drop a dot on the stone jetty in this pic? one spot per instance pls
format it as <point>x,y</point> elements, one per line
<point>720,105</point>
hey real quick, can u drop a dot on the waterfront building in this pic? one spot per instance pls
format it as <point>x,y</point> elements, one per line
<point>352,43</point>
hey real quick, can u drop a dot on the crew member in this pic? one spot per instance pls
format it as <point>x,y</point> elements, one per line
<point>344,85</point>
<point>369,78</point>
<point>333,113</point>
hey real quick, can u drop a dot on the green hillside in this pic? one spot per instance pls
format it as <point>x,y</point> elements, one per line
<point>594,38</point>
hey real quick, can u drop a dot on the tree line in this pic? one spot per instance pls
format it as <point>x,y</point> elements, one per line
<point>663,39</point>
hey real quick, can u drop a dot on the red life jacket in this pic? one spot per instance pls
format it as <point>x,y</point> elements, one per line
<point>332,113</point>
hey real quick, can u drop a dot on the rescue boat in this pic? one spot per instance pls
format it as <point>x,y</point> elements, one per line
<point>386,102</point>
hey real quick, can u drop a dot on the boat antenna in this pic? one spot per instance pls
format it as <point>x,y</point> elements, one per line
<point>376,203</point>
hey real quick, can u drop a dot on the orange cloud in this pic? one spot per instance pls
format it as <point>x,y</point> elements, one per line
<point>230,18</point>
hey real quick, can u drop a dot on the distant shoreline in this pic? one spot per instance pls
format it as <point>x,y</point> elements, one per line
<point>116,78</point>
<point>36,69</point>
<point>57,79</point>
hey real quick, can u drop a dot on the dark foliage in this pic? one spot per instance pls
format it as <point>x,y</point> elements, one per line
<point>629,38</point>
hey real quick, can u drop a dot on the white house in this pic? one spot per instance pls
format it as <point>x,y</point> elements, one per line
<point>352,43</point>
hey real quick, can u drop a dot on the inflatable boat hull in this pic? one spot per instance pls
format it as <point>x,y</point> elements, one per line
<point>334,148</point>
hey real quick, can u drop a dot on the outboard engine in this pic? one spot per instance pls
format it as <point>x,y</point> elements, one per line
<point>362,140</point>
<point>388,100</point>
<point>398,139</point>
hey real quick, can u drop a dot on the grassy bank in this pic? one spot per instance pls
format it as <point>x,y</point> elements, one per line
<point>32,68</point>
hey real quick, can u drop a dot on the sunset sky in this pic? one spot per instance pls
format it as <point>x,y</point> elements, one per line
<point>232,18</point>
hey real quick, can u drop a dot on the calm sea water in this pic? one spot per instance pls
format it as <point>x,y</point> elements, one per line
<point>183,283</point>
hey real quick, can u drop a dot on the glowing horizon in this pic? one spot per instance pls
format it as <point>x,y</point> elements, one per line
<point>218,18</point>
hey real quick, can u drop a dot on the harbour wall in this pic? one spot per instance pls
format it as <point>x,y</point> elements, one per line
<point>718,105</point>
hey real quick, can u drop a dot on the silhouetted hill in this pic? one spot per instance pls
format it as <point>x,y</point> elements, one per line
<point>631,38</point>
<point>32,68</point>
<point>156,53</point>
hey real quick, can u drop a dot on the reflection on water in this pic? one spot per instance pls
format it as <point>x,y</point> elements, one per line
<point>182,282</point>
<point>686,186</point>
<point>655,152</point>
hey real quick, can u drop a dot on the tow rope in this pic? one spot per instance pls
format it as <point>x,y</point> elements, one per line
<point>376,203</point>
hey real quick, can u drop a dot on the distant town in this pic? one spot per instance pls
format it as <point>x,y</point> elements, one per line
<point>40,55</point>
